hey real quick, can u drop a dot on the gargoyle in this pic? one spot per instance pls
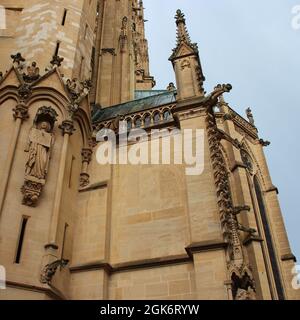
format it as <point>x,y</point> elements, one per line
<point>50,270</point>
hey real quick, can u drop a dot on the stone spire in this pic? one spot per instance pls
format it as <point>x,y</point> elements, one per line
<point>182,32</point>
<point>186,63</point>
<point>144,81</point>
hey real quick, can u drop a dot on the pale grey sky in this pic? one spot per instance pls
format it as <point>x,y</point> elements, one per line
<point>252,45</point>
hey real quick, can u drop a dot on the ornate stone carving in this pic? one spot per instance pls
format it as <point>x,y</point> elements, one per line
<point>264,143</point>
<point>84,180</point>
<point>21,112</point>
<point>123,35</point>
<point>67,127</point>
<point>86,155</point>
<point>39,146</point>
<point>24,92</point>
<point>78,90</point>
<point>200,78</point>
<point>243,126</point>
<point>247,160</point>
<point>50,270</point>
<point>56,61</point>
<point>250,116</point>
<point>219,90</point>
<point>33,73</point>
<point>31,192</point>
<point>17,58</point>
<point>238,210</point>
<point>228,213</point>
<point>243,286</point>
<point>171,87</point>
<point>227,117</point>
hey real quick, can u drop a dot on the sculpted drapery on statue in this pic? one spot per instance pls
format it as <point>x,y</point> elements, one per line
<point>40,142</point>
<point>39,147</point>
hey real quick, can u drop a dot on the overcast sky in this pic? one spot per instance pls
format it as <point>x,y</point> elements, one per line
<point>252,45</point>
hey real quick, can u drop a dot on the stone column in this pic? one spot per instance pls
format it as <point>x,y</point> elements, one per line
<point>20,114</point>
<point>67,128</point>
<point>86,159</point>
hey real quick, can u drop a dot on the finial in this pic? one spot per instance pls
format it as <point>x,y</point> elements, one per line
<point>182,32</point>
<point>180,18</point>
<point>250,116</point>
<point>56,61</point>
<point>17,58</point>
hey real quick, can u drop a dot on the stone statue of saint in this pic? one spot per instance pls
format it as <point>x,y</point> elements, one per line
<point>39,146</point>
<point>243,294</point>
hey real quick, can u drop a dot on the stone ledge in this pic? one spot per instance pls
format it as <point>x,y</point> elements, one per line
<point>272,189</point>
<point>237,165</point>
<point>95,186</point>
<point>134,265</point>
<point>50,291</point>
<point>288,257</point>
<point>206,246</point>
<point>251,239</point>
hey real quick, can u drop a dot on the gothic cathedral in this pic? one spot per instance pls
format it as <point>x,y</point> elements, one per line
<point>72,227</point>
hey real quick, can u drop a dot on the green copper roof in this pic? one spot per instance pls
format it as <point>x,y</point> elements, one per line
<point>150,100</point>
<point>141,94</point>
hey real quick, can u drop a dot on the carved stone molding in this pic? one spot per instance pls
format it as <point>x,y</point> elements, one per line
<point>67,127</point>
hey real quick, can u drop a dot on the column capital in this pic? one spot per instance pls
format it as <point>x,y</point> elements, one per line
<point>21,112</point>
<point>67,127</point>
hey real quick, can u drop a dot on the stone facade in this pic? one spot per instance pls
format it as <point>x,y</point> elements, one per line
<point>71,228</point>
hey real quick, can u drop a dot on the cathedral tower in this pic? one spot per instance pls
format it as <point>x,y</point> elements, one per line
<point>122,51</point>
<point>73,226</point>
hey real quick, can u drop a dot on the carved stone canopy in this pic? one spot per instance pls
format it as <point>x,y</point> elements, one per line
<point>46,114</point>
<point>243,287</point>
